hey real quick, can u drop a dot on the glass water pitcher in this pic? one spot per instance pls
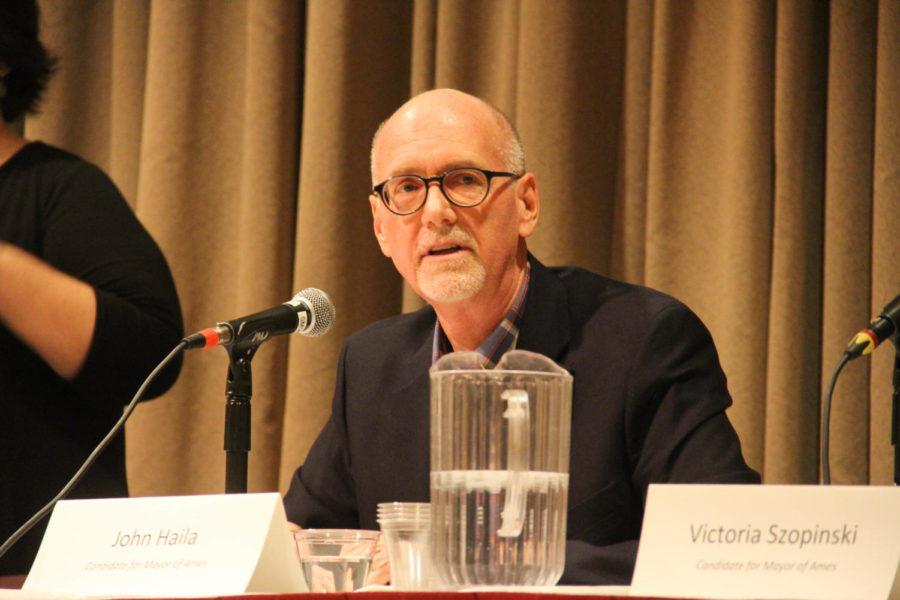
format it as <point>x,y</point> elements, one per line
<point>499,469</point>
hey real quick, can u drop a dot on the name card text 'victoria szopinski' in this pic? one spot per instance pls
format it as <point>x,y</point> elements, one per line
<point>769,542</point>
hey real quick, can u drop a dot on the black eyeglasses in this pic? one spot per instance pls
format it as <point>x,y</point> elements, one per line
<point>405,194</point>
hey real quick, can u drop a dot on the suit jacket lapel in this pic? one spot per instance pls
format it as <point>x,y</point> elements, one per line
<point>544,327</point>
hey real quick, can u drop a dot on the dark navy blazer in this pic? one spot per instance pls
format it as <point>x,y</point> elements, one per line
<point>648,405</point>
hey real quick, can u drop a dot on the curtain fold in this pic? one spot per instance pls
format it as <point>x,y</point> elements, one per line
<point>709,183</point>
<point>795,299</point>
<point>568,109</point>
<point>130,33</point>
<point>629,226</point>
<point>847,258</point>
<point>741,156</point>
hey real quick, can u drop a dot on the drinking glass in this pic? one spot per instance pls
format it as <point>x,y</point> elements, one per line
<point>335,560</point>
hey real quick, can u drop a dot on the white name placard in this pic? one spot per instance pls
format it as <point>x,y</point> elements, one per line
<point>769,541</point>
<point>167,546</point>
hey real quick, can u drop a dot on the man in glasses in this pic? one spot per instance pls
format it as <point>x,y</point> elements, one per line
<point>452,207</point>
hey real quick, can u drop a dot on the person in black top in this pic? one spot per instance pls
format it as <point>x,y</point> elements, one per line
<point>80,281</point>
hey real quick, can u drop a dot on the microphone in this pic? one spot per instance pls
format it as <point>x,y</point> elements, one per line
<point>309,313</point>
<point>884,326</point>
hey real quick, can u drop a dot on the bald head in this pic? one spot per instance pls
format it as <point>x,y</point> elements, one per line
<point>463,258</point>
<point>453,107</point>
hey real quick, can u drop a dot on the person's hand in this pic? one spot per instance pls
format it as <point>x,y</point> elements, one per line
<point>379,569</point>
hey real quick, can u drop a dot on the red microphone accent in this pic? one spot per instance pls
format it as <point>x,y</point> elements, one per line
<point>211,337</point>
<point>873,335</point>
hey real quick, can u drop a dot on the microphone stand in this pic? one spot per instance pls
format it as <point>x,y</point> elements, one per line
<point>238,390</point>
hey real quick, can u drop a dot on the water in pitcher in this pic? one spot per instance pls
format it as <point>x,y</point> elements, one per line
<point>472,550</point>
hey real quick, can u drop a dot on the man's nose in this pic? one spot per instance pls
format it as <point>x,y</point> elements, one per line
<point>437,209</point>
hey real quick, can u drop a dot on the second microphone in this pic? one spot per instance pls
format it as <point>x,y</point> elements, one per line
<point>309,313</point>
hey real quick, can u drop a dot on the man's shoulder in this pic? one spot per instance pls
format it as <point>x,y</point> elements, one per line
<point>588,292</point>
<point>388,354</point>
<point>601,313</point>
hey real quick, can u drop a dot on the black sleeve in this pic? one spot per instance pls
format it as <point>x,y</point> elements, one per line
<point>321,492</point>
<point>92,234</point>
<point>677,429</point>
<point>676,432</point>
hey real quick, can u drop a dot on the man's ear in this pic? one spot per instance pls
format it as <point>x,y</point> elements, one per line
<point>528,202</point>
<point>380,236</point>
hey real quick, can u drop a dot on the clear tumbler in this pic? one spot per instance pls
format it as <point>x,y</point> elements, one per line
<point>335,560</point>
<point>406,528</point>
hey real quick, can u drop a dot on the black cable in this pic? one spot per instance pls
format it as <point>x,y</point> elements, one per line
<point>826,418</point>
<point>93,455</point>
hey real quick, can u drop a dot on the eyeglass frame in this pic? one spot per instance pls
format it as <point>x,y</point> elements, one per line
<point>439,179</point>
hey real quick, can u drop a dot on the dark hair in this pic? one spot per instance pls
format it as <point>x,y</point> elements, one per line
<point>29,64</point>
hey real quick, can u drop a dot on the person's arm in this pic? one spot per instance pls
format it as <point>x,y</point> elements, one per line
<point>96,300</point>
<point>51,312</point>
<point>676,431</point>
<point>321,492</point>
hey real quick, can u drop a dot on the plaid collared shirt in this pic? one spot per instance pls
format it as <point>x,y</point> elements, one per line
<point>502,339</point>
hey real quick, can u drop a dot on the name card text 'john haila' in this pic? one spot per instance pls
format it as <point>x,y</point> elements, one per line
<point>774,534</point>
<point>164,537</point>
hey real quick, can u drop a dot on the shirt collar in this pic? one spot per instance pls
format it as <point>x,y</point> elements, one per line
<point>501,340</point>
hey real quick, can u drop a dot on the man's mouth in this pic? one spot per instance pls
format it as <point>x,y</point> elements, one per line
<point>443,250</point>
<point>446,244</point>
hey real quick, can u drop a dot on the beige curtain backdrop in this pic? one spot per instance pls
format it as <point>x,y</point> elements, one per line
<point>741,155</point>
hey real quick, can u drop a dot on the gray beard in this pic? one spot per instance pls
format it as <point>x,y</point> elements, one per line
<point>451,285</point>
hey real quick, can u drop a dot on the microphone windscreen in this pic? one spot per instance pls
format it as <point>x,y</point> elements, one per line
<point>322,311</point>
